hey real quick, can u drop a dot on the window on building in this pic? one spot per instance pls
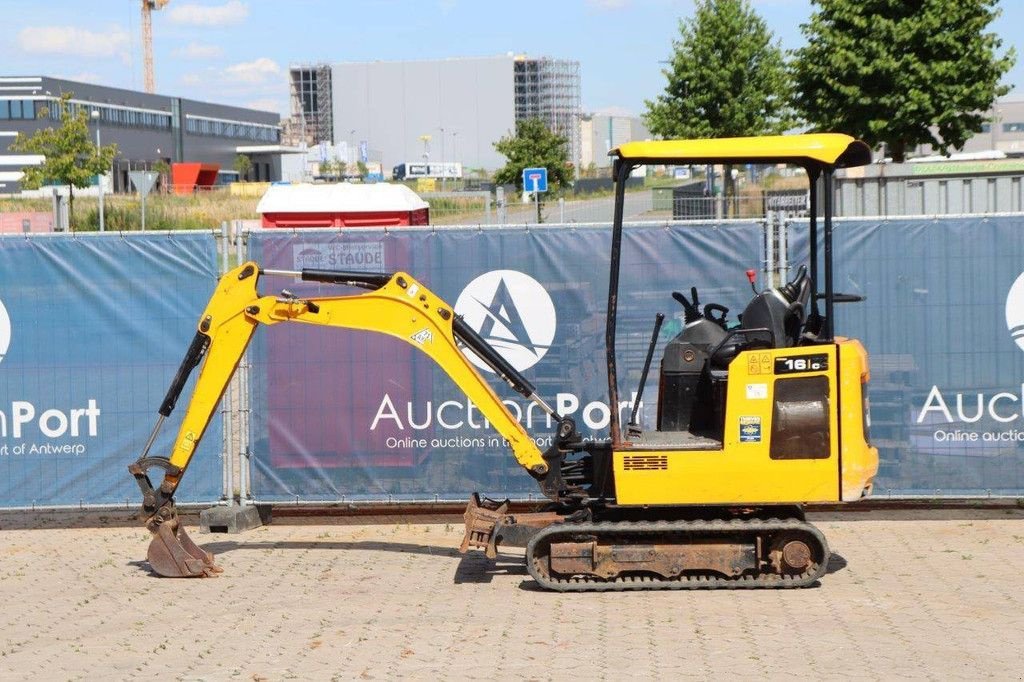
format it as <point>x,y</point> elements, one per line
<point>986,128</point>
<point>1016,127</point>
<point>5,109</point>
<point>15,108</point>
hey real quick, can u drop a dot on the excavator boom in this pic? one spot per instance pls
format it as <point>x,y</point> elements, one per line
<point>396,305</point>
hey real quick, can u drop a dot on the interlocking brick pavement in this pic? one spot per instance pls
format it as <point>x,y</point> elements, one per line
<point>929,595</point>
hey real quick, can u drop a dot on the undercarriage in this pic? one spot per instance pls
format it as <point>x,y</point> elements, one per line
<point>610,549</point>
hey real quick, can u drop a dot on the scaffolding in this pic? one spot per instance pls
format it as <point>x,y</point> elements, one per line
<point>312,117</point>
<point>549,89</point>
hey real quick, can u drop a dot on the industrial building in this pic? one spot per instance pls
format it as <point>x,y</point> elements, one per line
<point>146,128</point>
<point>601,132</point>
<point>442,110</point>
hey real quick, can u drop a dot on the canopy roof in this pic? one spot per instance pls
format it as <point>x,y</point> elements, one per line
<point>813,150</point>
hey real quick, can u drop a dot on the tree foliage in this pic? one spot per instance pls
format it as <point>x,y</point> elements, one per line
<point>242,164</point>
<point>69,155</point>
<point>727,77</point>
<point>533,146</point>
<point>889,70</point>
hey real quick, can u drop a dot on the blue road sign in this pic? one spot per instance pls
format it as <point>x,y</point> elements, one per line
<point>535,179</point>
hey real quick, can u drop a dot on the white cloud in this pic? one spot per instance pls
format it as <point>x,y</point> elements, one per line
<point>83,77</point>
<point>199,51</point>
<point>191,79</point>
<point>70,40</point>
<point>255,72</point>
<point>267,104</point>
<point>608,4</point>
<point>231,12</point>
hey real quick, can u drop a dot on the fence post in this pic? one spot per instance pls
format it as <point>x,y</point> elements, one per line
<point>561,210</point>
<point>243,394</point>
<point>499,197</point>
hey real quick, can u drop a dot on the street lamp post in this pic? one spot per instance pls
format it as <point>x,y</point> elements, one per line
<point>455,148</point>
<point>352,147</point>
<point>444,175</point>
<point>95,115</point>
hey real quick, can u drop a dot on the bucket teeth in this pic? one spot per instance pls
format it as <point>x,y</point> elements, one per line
<point>173,554</point>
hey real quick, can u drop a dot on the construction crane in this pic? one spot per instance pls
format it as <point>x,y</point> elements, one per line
<point>147,40</point>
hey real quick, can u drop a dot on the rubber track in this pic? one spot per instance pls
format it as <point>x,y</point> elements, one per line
<point>724,528</point>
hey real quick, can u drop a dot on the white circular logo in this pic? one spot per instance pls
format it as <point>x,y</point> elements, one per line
<point>513,313</point>
<point>5,330</point>
<point>1015,311</point>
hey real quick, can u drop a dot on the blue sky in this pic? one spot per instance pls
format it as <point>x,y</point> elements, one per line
<point>238,51</point>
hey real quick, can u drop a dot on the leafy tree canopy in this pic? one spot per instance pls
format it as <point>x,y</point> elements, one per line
<point>533,146</point>
<point>70,157</point>
<point>727,77</point>
<point>891,70</point>
<point>242,166</point>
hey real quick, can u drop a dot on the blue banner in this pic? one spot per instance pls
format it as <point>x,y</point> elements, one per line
<point>92,329</point>
<point>943,324</point>
<point>363,416</point>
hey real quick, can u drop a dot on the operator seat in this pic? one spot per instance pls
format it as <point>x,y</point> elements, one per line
<point>783,311</point>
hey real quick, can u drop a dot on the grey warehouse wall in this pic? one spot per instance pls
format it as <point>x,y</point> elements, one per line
<point>391,104</point>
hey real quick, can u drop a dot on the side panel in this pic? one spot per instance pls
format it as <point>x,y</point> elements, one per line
<point>860,459</point>
<point>744,471</point>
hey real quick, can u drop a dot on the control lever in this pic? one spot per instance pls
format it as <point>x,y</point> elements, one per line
<point>843,298</point>
<point>692,309</point>
<point>713,308</point>
<point>633,429</point>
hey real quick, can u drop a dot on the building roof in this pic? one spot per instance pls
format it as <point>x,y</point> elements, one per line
<point>340,197</point>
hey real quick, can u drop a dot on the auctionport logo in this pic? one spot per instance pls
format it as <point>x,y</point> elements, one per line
<point>5,330</point>
<point>511,311</point>
<point>1015,311</point>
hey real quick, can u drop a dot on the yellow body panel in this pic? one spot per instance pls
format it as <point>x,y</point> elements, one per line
<point>742,472</point>
<point>860,460</point>
<point>822,148</point>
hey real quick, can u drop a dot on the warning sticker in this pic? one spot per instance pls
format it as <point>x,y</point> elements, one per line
<point>759,363</point>
<point>750,429</point>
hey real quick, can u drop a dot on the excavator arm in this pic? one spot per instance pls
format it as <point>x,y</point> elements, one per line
<point>396,305</point>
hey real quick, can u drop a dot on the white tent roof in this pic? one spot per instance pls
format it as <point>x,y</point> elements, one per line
<point>339,198</point>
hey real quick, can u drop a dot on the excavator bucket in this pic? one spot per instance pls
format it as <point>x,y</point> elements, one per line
<point>481,517</point>
<point>172,554</point>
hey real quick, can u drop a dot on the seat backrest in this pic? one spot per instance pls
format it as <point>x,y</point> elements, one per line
<point>770,310</point>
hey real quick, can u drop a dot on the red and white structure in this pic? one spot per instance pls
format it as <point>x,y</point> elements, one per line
<point>342,205</point>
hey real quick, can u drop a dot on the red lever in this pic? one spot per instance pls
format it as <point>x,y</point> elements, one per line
<point>752,275</point>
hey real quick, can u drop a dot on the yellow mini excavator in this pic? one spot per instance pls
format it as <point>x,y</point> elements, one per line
<point>753,420</point>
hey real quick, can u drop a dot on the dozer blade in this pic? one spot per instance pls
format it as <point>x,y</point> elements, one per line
<point>172,554</point>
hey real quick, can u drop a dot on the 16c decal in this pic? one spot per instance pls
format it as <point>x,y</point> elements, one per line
<point>801,363</point>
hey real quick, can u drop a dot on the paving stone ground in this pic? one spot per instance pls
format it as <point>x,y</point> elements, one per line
<point>911,595</point>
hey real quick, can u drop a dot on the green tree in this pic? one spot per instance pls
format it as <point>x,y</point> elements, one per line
<point>243,164</point>
<point>900,73</point>
<point>533,146</point>
<point>163,169</point>
<point>727,78</point>
<point>69,155</point>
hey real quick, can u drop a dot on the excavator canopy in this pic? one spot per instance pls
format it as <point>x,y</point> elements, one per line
<point>816,150</point>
